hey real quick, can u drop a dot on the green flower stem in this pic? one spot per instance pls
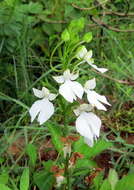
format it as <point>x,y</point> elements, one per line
<point>51,65</point>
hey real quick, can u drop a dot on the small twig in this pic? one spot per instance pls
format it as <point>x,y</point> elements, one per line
<point>100,23</point>
<point>116,80</point>
<point>102,13</point>
<point>119,14</point>
<point>87,9</point>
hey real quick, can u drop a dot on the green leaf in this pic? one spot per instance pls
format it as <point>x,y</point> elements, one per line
<point>106,185</point>
<point>85,163</point>
<point>44,180</point>
<point>4,187</point>
<point>56,136</point>
<point>24,180</point>
<point>97,181</point>
<point>48,165</point>
<point>32,153</point>
<point>83,166</point>
<point>126,183</point>
<point>4,178</point>
<point>77,25</point>
<point>113,178</point>
<point>33,8</point>
<point>89,152</point>
<point>10,2</point>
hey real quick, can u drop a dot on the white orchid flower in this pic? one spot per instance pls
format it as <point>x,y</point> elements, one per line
<point>86,56</point>
<point>93,97</point>
<point>87,123</point>
<point>42,109</point>
<point>70,89</point>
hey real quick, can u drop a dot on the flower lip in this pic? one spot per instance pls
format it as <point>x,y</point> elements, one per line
<point>88,125</point>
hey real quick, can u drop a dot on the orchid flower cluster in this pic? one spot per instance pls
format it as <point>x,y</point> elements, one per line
<point>87,123</point>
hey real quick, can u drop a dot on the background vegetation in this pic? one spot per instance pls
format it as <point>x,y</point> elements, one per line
<point>29,32</point>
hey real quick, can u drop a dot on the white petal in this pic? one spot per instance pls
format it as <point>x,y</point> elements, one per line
<point>83,108</point>
<point>52,96</point>
<point>88,141</point>
<point>82,51</point>
<point>102,70</point>
<point>102,98</point>
<point>45,91</point>
<point>35,109</point>
<point>94,123</point>
<point>59,79</point>
<point>74,76</point>
<point>38,93</point>
<point>76,112</point>
<point>46,111</point>
<point>83,128</point>
<point>66,73</point>
<point>66,91</point>
<point>77,89</point>
<point>90,84</point>
<point>92,98</point>
<point>88,55</point>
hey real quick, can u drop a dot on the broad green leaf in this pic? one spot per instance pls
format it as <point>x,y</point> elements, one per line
<point>56,136</point>
<point>10,2</point>
<point>44,180</point>
<point>24,180</point>
<point>33,8</point>
<point>126,183</point>
<point>48,165</point>
<point>4,178</point>
<point>113,178</point>
<point>32,153</point>
<point>4,187</point>
<point>77,25</point>
<point>85,163</point>
<point>89,152</point>
<point>106,185</point>
<point>83,166</point>
<point>97,181</point>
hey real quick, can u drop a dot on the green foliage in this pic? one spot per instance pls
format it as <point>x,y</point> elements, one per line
<point>34,34</point>
<point>44,180</point>
<point>98,180</point>
<point>127,182</point>
<point>113,178</point>
<point>4,187</point>
<point>83,166</point>
<point>105,185</point>
<point>56,135</point>
<point>32,153</point>
<point>24,180</point>
<point>4,178</point>
<point>90,152</point>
